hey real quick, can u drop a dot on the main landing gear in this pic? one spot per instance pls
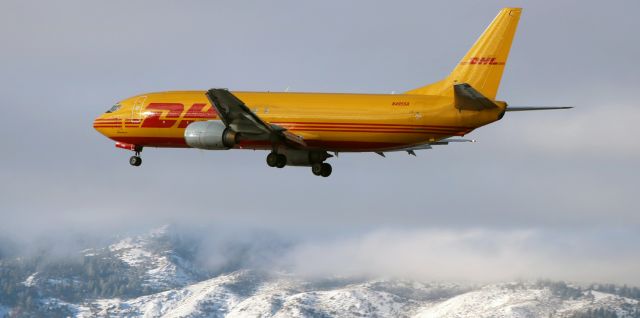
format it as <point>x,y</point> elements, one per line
<point>315,160</point>
<point>321,169</point>
<point>276,160</point>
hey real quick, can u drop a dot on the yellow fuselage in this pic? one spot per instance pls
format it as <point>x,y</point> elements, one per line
<point>332,122</point>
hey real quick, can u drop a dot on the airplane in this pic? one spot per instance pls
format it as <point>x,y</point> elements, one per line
<point>302,129</point>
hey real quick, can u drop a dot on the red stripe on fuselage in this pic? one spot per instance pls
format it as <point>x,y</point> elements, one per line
<point>437,132</point>
<point>372,127</point>
<point>152,141</point>
<point>369,124</point>
<point>330,145</point>
<point>266,145</point>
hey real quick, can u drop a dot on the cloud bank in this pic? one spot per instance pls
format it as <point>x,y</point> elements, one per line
<point>473,255</point>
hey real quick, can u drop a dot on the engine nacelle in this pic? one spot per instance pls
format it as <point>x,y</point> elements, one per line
<point>210,135</point>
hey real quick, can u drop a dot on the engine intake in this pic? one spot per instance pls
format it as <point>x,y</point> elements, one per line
<point>210,135</point>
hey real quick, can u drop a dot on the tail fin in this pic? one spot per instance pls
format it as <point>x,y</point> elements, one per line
<point>483,65</point>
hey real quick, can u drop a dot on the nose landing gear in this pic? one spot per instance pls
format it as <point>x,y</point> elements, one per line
<point>135,160</point>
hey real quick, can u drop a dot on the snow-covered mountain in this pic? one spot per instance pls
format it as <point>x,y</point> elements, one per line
<point>155,275</point>
<point>155,254</point>
<point>252,294</point>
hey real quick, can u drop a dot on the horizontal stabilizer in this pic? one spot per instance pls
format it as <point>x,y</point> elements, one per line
<point>457,140</point>
<point>467,98</point>
<point>446,141</point>
<point>522,109</point>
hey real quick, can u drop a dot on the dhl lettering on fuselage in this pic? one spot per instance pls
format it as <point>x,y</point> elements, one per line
<point>166,115</point>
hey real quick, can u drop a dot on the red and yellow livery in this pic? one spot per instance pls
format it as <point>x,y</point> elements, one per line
<point>301,128</point>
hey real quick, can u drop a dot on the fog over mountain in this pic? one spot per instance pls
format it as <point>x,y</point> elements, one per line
<point>469,255</point>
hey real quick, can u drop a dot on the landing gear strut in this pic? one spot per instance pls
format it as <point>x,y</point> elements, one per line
<point>135,160</point>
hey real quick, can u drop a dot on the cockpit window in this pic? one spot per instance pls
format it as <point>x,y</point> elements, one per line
<point>114,108</point>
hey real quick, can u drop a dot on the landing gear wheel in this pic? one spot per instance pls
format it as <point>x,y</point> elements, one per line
<point>316,168</point>
<point>282,161</point>
<point>272,159</point>
<point>135,161</point>
<point>325,170</point>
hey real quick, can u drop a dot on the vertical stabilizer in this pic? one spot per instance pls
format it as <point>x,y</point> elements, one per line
<point>483,65</point>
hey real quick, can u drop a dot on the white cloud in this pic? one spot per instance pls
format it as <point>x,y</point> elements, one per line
<point>467,255</point>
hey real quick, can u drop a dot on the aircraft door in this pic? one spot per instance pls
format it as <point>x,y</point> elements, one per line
<point>135,118</point>
<point>136,110</point>
<point>136,113</point>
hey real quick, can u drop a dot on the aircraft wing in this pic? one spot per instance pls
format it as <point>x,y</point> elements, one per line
<point>239,118</point>
<point>235,114</point>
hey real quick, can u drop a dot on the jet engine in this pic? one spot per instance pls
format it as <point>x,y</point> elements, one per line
<point>210,135</point>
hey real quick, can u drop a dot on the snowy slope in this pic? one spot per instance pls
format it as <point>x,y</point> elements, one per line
<point>212,297</point>
<point>511,300</point>
<point>252,294</point>
<point>255,294</point>
<point>163,267</point>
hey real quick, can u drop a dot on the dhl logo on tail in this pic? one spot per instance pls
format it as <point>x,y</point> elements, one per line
<point>482,61</point>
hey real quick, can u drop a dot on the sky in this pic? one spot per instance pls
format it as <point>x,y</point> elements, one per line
<point>541,194</point>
